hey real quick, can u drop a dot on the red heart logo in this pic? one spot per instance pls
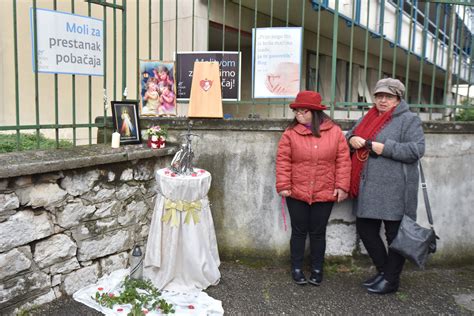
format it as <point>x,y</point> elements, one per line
<point>205,84</point>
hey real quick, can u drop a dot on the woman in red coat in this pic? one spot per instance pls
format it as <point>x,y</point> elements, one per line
<point>313,170</point>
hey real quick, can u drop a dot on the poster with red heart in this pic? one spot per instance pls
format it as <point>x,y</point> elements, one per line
<point>206,94</point>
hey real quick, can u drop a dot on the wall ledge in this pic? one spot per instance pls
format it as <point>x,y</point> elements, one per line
<point>44,161</point>
<point>271,125</point>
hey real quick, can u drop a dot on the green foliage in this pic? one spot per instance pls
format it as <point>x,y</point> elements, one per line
<point>465,115</point>
<point>141,294</point>
<point>28,142</point>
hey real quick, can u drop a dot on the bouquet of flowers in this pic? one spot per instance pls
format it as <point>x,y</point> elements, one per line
<point>156,136</point>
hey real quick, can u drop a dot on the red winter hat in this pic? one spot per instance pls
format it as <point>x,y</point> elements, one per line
<point>310,100</point>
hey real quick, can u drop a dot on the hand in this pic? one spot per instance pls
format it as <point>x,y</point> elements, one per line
<point>341,195</point>
<point>285,193</point>
<point>357,142</point>
<point>377,147</point>
<point>284,79</point>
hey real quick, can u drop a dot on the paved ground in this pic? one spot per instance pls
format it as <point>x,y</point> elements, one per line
<point>247,289</point>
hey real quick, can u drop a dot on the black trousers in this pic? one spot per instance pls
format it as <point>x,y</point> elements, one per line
<point>308,219</point>
<point>390,263</point>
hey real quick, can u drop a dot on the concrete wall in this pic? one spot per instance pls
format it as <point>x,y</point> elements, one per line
<point>247,209</point>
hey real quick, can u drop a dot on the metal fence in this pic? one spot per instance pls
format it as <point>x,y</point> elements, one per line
<point>339,33</point>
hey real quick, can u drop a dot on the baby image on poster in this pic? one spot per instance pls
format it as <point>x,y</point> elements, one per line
<point>158,89</point>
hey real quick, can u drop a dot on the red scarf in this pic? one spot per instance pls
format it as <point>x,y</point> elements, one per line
<point>368,128</point>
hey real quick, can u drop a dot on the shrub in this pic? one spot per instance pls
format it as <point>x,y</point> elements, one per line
<point>465,115</point>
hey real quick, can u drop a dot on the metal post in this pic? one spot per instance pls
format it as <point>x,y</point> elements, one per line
<point>448,97</point>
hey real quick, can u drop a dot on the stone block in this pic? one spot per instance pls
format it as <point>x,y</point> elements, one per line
<point>65,267</point>
<point>24,194</point>
<point>54,249</point>
<point>8,201</point>
<point>56,280</point>
<point>109,243</point>
<point>81,278</point>
<point>79,183</point>
<point>14,261</point>
<point>126,175</point>
<point>99,194</point>
<point>73,212</point>
<point>144,172</point>
<point>125,191</point>
<point>24,227</point>
<point>134,212</point>
<point>107,209</point>
<point>22,286</point>
<point>114,262</point>
<point>47,195</point>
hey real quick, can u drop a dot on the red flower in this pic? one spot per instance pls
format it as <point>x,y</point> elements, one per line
<point>111,295</point>
<point>119,309</point>
<point>100,288</point>
<point>145,311</point>
<point>173,174</point>
<point>191,306</point>
<point>193,174</point>
<point>202,171</point>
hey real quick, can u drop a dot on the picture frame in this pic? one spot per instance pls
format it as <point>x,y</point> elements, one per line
<point>157,88</point>
<point>126,122</point>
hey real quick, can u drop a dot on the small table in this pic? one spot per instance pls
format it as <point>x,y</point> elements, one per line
<point>181,252</point>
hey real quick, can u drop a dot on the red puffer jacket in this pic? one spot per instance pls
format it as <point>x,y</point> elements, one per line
<point>312,167</point>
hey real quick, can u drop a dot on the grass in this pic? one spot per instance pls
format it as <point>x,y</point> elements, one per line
<point>8,142</point>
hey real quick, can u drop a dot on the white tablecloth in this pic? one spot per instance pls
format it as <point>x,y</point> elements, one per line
<point>182,255</point>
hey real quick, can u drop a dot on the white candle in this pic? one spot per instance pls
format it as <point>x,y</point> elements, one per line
<point>115,140</point>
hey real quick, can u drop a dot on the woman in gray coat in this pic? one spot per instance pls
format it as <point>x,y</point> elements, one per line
<point>386,145</point>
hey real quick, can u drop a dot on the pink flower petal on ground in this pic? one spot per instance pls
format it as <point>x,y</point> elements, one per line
<point>100,288</point>
<point>193,174</point>
<point>119,309</point>
<point>191,306</point>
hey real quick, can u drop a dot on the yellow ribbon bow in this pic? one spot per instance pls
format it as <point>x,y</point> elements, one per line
<point>170,212</point>
<point>191,208</point>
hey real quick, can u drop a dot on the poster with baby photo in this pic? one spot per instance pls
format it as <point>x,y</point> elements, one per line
<point>158,88</point>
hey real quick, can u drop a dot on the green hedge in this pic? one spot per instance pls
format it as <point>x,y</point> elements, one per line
<point>28,142</point>
<point>465,115</point>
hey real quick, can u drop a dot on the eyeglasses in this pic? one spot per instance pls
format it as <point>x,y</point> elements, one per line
<point>388,97</point>
<point>300,111</point>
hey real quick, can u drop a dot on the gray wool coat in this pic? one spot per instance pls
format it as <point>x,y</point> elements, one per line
<point>387,191</point>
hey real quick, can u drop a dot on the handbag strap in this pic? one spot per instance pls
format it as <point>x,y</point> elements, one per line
<point>425,196</point>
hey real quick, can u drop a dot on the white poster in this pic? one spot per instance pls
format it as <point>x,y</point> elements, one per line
<point>68,43</point>
<point>276,62</point>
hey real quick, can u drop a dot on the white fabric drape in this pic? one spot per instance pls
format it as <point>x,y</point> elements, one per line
<point>182,258</point>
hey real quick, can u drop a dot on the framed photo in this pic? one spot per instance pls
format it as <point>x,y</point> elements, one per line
<point>125,117</point>
<point>158,88</point>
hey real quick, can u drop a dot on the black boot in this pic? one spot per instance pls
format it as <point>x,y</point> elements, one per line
<point>373,280</point>
<point>298,277</point>
<point>383,287</point>
<point>316,277</point>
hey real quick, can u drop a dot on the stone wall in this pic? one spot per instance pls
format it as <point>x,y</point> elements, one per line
<point>62,230</point>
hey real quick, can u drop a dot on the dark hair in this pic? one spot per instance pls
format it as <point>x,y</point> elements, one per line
<point>318,118</point>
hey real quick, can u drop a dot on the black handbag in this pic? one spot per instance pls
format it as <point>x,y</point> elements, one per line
<point>413,241</point>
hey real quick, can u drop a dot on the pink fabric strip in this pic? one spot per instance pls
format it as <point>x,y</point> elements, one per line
<point>283,211</point>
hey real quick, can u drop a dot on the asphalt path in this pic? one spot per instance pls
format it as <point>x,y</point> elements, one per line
<point>256,288</point>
